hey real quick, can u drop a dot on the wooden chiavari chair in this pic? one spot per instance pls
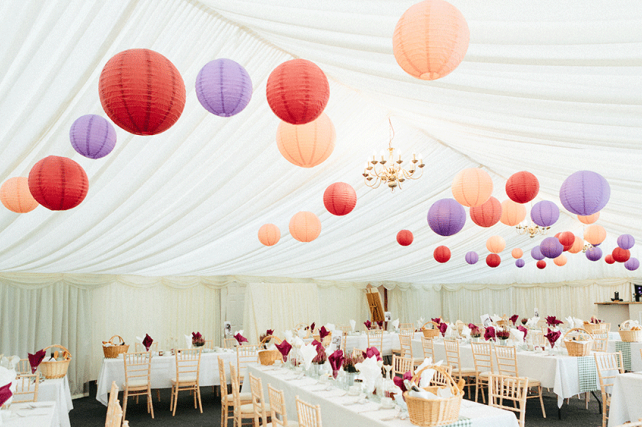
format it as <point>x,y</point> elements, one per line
<point>227,400</point>
<point>407,326</point>
<point>405,343</point>
<point>24,367</point>
<point>601,341</point>
<point>453,358</point>
<point>188,369</point>
<point>309,415</point>
<point>209,344</point>
<point>246,355</point>
<point>229,342</point>
<point>260,409</point>
<point>114,411</point>
<point>26,388</point>
<point>277,409</point>
<point>241,411</point>
<point>375,339</point>
<point>440,379</point>
<point>401,365</point>
<point>483,359</point>
<point>503,388</point>
<point>428,347</point>
<point>137,379</point>
<point>507,366</point>
<point>609,366</point>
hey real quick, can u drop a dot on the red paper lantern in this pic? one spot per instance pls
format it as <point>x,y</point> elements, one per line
<point>142,91</point>
<point>269,234</point>
<point>621,255</point>
<point>16,197</point>
<point>493,260</point>
<point>58,183</point>
<point>541,264</point>
<point>441,254</point>
<point>522,187</point>
<point>340,198</point>
<point>297,91</point>
<point>405,237</point>
<point>567,239</point>
<point>487,214</point>
<point>609,259</point>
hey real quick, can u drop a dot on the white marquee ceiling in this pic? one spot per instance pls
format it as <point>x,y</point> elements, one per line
<point>549,87</point>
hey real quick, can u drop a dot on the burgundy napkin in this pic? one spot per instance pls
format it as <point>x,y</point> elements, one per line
<point>240,338</point>
<point>552,321</point>
<point>312,327</point>
<point>443,327</point>
<point>523,329</point>
<point>380,324</point>
<point>269,332</point>
<point>399,381</point>
<point>372,351</point>
<point>35,359</point>
<point>336,361</point>
<point>489,333</point>
<point>513,318</point>
<point>147,342</point>
<point>437,320</point>
<point>368,324</point>
<point>323,332</point>
<point>552,337</point>
<point>284,348</point>
<point>5,393</point>
<point>318,345</point>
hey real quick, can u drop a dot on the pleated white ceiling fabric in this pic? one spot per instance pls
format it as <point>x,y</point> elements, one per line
<point>548,87</point>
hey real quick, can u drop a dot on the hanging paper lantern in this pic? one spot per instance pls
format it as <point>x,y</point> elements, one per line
<point>585,193</point>
<point>621,255</point>
<point>560,260</point>
<point>578,245</point>
<point>223,87</point>
<point>58,183</point>
<point>545,213</point>
<point>493,260</point>
<point>487,214</point>
<point>589,219</point>
<point>472,257</point>
<point>340,198</point>
<point>441,254</point>
<point>609,259</point>
<point>15,195</point>
<point>297,91</point>
<point>541,264</point>
<point>512,213</point>
<point>446,217</point>
<point>306,145</point>
<point>522,187</point>
<point>405,238</point>
<point>520,263</point>
<point>517,253</point>
<point>472,187</point>
<point>632,264</point>
<point>305,226</point>
<point>567,239</point>
<point>536,253</point>
<point>594,254</point>
<point>92,136</point>
<point>626,241</point>
<point>595,234</point>
<point>430,39</point>
<point>551,247</point>
<point>269,234</point>
<point>495,244</point>
<point>142,91</point>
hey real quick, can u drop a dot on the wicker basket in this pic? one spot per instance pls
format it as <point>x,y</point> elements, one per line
<point>268,357</point>
<point>430,333</point>
<point>577,348</point>
<point>57,369</point>
<point>629,336</point>
<point>594,327</point>
<point>114,350</point>
<point>434,412</point>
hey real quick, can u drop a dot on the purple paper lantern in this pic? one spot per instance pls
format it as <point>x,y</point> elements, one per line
<point>585,193</point>
<point>632,264</point>
<point>551,247</point>
<point>223,87</point>
<point>446,217</point>
<point>625,241</point>
<point>537,254</point>
<point>92,136</point>
<point>545,213</point>
<point>520,263</point>
<point>472,257</point>
<point>594,254</point>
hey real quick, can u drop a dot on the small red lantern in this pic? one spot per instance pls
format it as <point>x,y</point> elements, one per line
<point>567,239</point>
<point>58,183</point>
<point>522,187</point>
<point>609,259</point>
<point>541,264</point>
<point>493,260</point>
<point>441,254</point>
<point>405,237</point>
<point>621,255</point>
<point>488,214</point>
<point>340,198</point>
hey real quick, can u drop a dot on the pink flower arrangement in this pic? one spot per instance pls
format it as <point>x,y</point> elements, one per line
<point>350,363</point>
<point>321,357</point>
<point>489,333</point>
<point>503,334</point>
<point>524,320</point>
<point>474,330</point>
<point>368,324</point>
<point>595,320</point>
<point>197,339</point>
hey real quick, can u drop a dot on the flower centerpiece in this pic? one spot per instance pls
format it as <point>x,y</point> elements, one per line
<point>475,332</point>
<point>595,320</point>
<point>197,339</point>
<point>350,368</point>
<point>502,335</point>
<point>524,321</point>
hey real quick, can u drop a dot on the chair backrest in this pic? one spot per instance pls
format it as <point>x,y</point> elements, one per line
<point>137,367</point>
<point>375,339</point>
<point>258,402</point>
<point>277,407</point>
<point>537,337</point>
<point>482,356</point>
<point>452,354</point>
<point>309,415</point>
<point>405,343</point>
<point>506,360</point>
<point>407,326</point>
<point>229,342</point>
<point>601,341</point>
<point>345,329</point>
<point>608,365</point>
<point>114,411</point>
<point>209,344</point>
<point>357,352</point>
<point>246,355</point>
<point>401,365</point>
<point>188,363</point>
<point>440,379</point>
<point>26,388</point>
<point>139,348</point>
<point>428,346</point>
<point>236,387</point>
<point>509,393</point>
<point>222,379</point>
<point>24,367</point>
<point>344,341</point>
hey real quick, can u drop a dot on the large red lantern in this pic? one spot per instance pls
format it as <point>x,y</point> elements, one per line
<point>493,260</point>
<point>340,198</point>
<point>441,254</point>
<point>405,237</point>
<point>487,214</point>
<point>541,264</point>
<point>297,91</point>
<point>142,91</point>
<point>621,255</point>
<point>58,183</point>
<point>522,187</point>
<point>567,239</point>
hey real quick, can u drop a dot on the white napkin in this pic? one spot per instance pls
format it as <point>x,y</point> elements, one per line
<point>578,322</point>
<point>308,352</point>
<point>570,321</point>
<point>330,327</point>
<point>188,341</point>
<point>8,376</point>
<point>400,402</point>
<point>288,336</point>
<point>140,340</point>
<point>495,318</point>
<point>532,322</point>
<point>451,330</point>
<point>465,332</point>
<point>297,342</point>
<point>353,323</point>
<point>302,333</point>
<point>395,323</point>
<point>517,335</point>
<point>426,376</point>
<point>420,322</point>
<point>10,362</point>
<point>369,370</point>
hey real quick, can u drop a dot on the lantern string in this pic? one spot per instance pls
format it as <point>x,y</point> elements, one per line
<point>392,132</point>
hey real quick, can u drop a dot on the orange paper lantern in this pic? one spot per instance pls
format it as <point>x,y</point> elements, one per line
<point>15,195</point>
<point>431,39</point>
<point>621,255</point>
<point>517,253</point>
<point>340,198</point>
<point>306,145</point>
<point>441,254</point>
<point>495,244</point>
<point>472,187</point>
<point>512,213</point>
<point>560,260</point>
<point>578,245</point>
<point>594,234</point>
<point>487,214</point>
<point>269,234</point>
<point>589,219</point>
<point>305,226</point>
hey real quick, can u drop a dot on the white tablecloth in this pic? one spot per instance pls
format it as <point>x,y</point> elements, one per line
<point>163,371</point>
<point>557,372</point>
<point>24,415</point>
<point>636,358</point>
<point>57,391</point>
<point>390,342</point>
<point>626,398</point>
<point>334,413</point>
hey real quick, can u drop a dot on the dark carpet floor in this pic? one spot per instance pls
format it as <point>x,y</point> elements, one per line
<point>88,412</point>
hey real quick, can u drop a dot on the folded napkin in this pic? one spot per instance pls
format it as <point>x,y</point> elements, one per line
<point>395,323</point>
<point>513,318</point>
<point>353,323</point>
<point>571,322</point>
<point>465,332</point>
<point>302,333</point>
<point>336,362</point>
<point>523,329</point>
<point>370,370</point>
<point>298,342</point>
<point>517,335</point>
<point>443,327</point>
<point>437,320</point>
<point>553,321</point>
<point>317,344</point>
<point>5,394</point>
<point>284,348</point>
<point>147,342</point>
<point>489,333</point>
<point>288,335</point>
<point>308,352</point>
<point>188,341</point>
<point>35,359</point>
<point>380,324</point>
<point>312,326</point>
<point>239,338</point>
<point>401,381</point>
<point>426,375</point>
<point>532,322</point>
<point>420,322</point>
<point>367,324</point>
<point>330,327</point>
<point>552,337</point>
<point>323,332</point>
<point>7,385</point>
<point>495,318</point>
<point>578,322</point>
<point>442,393</point>
<point>372,352</point>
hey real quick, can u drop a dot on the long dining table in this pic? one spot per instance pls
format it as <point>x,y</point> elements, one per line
<point>625,399</point>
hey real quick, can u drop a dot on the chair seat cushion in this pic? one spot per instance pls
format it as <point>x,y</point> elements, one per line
<point>135,384</point>
<point>186,379</point>
<point>249,409</point>
<point>532,382</point>
<point>290,424</point>
<point>245,397</point>
<point>465,372</point>
<point>484,375</point>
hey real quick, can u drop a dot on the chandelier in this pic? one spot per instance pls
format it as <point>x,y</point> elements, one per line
<point>532,230</point>
<point>391,171</point>
<point>586,247</point>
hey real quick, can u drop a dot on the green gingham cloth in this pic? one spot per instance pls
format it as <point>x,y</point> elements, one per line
<point>625,348</point>
<point>587,373</point>
<point>461,422</point>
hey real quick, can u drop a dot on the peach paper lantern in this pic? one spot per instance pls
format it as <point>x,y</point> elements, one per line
<point>512,213</point>
<point>589,219</point>
<point>431,39</point>
<point>594,234</point>
<point>15,195</point>
<point>472,187</point>
<point>560,260</point>
<point>517,253</point>
<point>306,145</point>
<point>578,245</point>
<point>305,226</point>
<point>495,244</point>
<point>269,234</point>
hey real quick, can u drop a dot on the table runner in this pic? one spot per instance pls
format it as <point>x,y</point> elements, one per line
<point>625,348</point>
<point>461,422</point>
<point>588,373</point>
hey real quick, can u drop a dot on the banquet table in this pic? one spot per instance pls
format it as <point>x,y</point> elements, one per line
<point>559,372</point>
<point>57,390</point>
<point>625,399</point>
<point>636,358</point>
<point>337,410</point>
<point>163,371</point>
<point>360,340</point>
<point>36,414</point>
